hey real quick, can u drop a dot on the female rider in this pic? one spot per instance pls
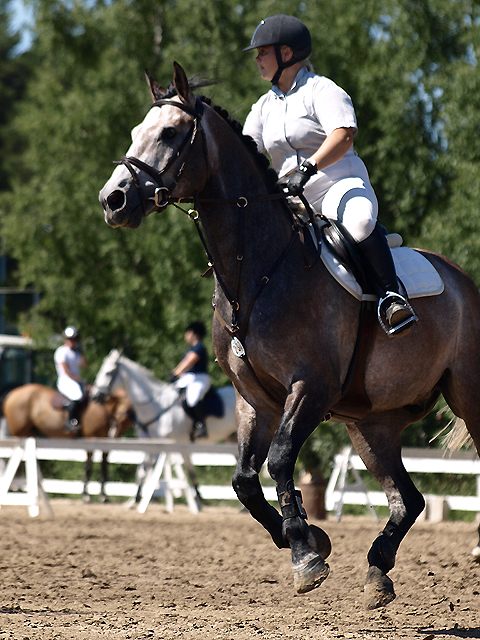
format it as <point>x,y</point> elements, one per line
<point>307,123</point>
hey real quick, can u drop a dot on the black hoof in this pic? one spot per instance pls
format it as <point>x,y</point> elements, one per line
<point>319,541</point>
<point>309,574</point>
<point>378,589</point>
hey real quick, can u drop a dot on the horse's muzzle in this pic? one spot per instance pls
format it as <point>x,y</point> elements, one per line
<point>117,213</point>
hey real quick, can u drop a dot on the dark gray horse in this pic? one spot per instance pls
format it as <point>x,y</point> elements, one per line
<point>285,334</point>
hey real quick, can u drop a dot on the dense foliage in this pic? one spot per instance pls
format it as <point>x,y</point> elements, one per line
<point>410,66</point>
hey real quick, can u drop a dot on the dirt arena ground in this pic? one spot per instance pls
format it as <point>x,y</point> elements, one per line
<point>99,571</point>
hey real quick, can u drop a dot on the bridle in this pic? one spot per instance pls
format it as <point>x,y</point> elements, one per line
<point>106,389</point>
<point>163,197</point>
<point>162,192</point>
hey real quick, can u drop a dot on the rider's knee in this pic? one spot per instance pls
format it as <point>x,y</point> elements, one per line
<point>360,227</point>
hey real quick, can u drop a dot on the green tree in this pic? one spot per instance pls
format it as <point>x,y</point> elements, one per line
<point>136,291</point>
<point>409,65</point>
<point>14,73</point>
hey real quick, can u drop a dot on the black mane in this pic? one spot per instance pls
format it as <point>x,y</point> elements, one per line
<point>261,159</point>
<point>199,80</point>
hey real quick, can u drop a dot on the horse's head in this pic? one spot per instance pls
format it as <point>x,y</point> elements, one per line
<point>104,381</point>
<point>162,151</point>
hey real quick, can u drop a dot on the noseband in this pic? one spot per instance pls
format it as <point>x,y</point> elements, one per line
<point>162,193</point>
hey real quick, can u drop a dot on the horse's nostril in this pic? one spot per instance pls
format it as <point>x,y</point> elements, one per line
<point>116,200</point>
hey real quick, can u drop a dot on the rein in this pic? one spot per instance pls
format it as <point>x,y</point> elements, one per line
<point>236,331</point>
<point>163,198</point>
<point>143,425</point>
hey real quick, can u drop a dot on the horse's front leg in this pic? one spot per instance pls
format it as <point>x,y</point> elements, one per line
<point>88,475</point>
<point>309,545</point>
<point>192,475</point>
<point>104,477</point>
<point>254,431</point>
<point>377,441</point>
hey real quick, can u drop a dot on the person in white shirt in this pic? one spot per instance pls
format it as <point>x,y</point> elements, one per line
<point>306,123</point>
<point>68,361</point>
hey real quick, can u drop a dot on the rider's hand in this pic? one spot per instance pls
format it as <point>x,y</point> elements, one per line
<point>173,378</point>
<point>295,184</point>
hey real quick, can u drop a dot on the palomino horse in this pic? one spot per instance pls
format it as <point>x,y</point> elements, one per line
<point>29,411</point>
<point>158,408</point>
<point>285,334</point>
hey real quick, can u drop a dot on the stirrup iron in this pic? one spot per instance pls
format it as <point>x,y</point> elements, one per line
<point>384,305</point>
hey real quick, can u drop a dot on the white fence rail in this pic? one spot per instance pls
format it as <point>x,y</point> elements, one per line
<point>339,492</point>
<point>167,478</point>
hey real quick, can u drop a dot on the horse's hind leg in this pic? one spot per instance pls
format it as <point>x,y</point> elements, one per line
<point>461,391</point>
<point>476,550</point>
<point>378,443</point>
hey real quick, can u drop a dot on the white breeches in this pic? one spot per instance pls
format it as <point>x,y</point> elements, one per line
<point>196,386</point>
<point>351,201</point>
<point>70,388</point>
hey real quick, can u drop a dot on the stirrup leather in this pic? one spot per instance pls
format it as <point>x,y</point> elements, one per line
<point>384,304</point>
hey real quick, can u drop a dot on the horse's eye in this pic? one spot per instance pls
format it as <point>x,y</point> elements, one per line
<point>168,133</point>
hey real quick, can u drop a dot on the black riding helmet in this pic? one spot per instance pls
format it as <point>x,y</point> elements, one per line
<point>280,30</point>
<point>198,328</point>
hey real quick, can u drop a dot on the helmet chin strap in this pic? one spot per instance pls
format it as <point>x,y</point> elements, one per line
<point>281,64</point>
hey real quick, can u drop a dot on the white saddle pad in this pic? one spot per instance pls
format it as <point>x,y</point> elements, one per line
<point>419,276</point>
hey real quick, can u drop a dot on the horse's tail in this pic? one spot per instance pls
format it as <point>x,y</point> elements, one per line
<point>457,437</point>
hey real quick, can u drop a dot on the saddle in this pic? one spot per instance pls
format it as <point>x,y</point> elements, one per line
<point>59,402</point>
<point>213,404</point>
<point>417,277</point>
<point>416,274</point>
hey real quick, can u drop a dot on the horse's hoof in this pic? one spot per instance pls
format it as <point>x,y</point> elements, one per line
<point>378,589</point>
<point>476,554</point>
<point>310,574</point>
<point>86,498</point>
<point>319,541</point>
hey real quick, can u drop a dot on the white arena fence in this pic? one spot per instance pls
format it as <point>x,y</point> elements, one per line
<point>339,492</point>
<point>168,478</point>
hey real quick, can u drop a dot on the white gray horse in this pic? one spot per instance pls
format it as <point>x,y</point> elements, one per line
<point>158,408</point>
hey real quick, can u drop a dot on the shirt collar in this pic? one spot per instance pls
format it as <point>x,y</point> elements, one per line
<point>299,79</point>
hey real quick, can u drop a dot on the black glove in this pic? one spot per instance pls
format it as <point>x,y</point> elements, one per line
<point>296,182</point>
<point>173,378</point>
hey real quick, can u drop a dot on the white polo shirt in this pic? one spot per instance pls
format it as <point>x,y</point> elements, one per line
<point>291,127</point>
<point>66,385</point>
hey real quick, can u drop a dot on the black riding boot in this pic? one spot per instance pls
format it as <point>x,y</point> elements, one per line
<point>395,313</point>
<point>72,424</point>
<point>197,413</point>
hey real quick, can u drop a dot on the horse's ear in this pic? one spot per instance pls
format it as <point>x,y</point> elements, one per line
<point>181,85</point>
<point>155,89</point>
